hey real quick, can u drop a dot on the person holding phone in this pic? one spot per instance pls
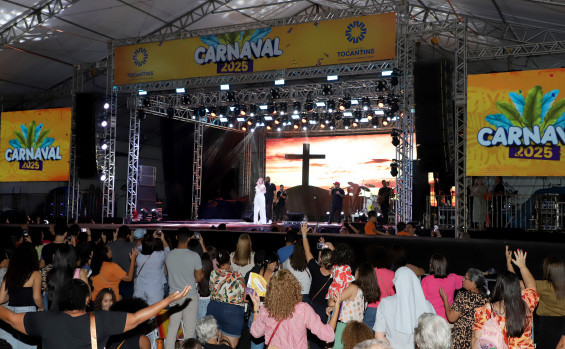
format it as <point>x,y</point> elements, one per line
<point>150,268</point>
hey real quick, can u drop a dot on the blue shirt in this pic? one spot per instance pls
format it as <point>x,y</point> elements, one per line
<point>285,252</point>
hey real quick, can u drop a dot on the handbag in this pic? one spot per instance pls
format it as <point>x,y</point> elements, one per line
<point>93,338</point>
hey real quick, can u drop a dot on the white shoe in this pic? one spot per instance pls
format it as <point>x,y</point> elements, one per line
<point>270,221</point>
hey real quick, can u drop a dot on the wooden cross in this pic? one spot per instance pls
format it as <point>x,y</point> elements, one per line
<point>305,157</point>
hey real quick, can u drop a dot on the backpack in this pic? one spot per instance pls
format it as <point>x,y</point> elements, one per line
<point>491,334</point>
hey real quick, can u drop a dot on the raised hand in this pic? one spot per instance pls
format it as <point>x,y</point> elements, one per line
<point>508,255</point>
<point>304,228</point>
<point>179,295</point>
<point>520,258</point>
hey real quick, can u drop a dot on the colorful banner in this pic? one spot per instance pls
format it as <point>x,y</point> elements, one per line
<point>347,40</point>
<point>515,123</point>
<point>35,145</point>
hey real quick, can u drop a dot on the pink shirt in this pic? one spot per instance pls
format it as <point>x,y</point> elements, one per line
<point>431,286</point>
<point>384,277</point>
<point>292,331</point>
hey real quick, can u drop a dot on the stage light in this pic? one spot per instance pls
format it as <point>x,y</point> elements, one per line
<point>269,127</point>
<point>346,102</point>
<point>346,123</point>
<point>263,107</point>
<point>304,119</point>
<point>364,120</point>
<point>230,97</point>
<point>331,106</point>
<point>252,110</point>
<point>180,90</point>
<point>381,86</point>
<point>230,125</point>
<point>332,125</point>
<point>279,82</point>
<point>322,125</point>
<point>146,102</point>
<point>242,110</point>
<point>375,123</point>
<point>366,103</point>
<point>393,108</point>
<point>252,130</point>
<point>312,122</point>
<point>304,128</point>
<point>309,105</point>
<point>240,119</point>
<point>394,76</point>
<point>243,128</point>
<point>249,121</point>
<point>341,105</point>
<point>277,121</point>
<point>386,73</point>
<point>225,87</point>
<point>358,114</point>
<point>297,107</point>
<point>103,145</point>
<point>295,126</point>
<point>385,122</point>
<point>104,121</point>
<point>275,93</point>
<point>320,104</point>
<point>395,139</point>
<point>103,177</point>
<point>279,129</point>
<point>212,112</point>
<point>107,105</point>
<point>338,116</point>
<point>332,77</point>
<point>327,90</point>
<point>379,112</point>
<point>355,124</point>
<point>142,93</point>
<point>381,103</point>
<point>185,100</point>
<point>223,119</point>
<point>295,116</point>
<point>354,102</point>
<point>283,108</point>
<point>347,114</point>
<point>268,118</point>
<point>394,169</point>
<point>201,111</point>
<point>272,109</point>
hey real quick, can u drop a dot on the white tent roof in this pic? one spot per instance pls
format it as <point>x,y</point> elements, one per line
<point>43,55</point>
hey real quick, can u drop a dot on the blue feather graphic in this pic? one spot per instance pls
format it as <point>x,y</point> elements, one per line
<point>24,131</point>
<point>560,121</point>
<point>259,34</point>
<point>15,144</point>
<point>210,40</point>
<point>47,142</point>
<point>518,101</point>
<point>37,132</point>
<point>499,120</point>
<point>547,102</point>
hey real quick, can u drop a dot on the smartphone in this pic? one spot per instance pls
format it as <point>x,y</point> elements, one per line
<point>436,228</point>
<point>197,236</point>
<point>83,230</point>
<point>26,233</point>
<point>322,245</point>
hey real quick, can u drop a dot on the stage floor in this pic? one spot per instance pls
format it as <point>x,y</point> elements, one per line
<point>233,225</point>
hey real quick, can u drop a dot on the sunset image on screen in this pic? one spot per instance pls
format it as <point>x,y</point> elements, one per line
<point>361,159</point>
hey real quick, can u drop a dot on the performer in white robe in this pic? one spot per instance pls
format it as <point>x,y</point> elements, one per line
<point>259,203</point>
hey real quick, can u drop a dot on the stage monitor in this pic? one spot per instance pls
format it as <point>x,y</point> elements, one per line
<point>515,123</point>
<point>35,145</point>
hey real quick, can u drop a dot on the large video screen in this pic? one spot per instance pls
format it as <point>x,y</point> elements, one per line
<point>359,159</point>
<point>35,145</point>
<point>515,123</point>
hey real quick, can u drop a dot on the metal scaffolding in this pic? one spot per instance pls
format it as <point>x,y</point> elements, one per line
<point>73,186</point>
<point>245,188</point>
<point>109,167</point>
<point>197,169</point>
<point>133,157</point>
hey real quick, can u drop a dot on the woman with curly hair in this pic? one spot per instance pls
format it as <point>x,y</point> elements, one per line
<point>22,289</point>
<point>105,299</point>
<point>354,333</point>
<point>284,319</point>
<point>365,289</point>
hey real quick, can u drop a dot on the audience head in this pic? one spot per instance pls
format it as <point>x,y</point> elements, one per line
<point>60,229</point>
<point>65,258</point>
<point>373,344</point>
<point>342,255</point>
<point>396,257</point>
<point>400,226</point>
<point>283,293</point>
<point>207,330</point>
<point>475,281</point>
<point>212,252</point>
<point>139,233</point>
<point>507,289</point>
<point>183,235</point>
<point>372,215</point>
<point>325,258</point>
<point>207,267</point>
<point>74,230</point>
<point>298,258</point>
<point>354,333</point>
<point>23,262</point>
<point>105,299</point>
<point>432,332</point>
<point>271,262</point>
<point>123,232</point>
<point>554,272</point>
<point>223,259</point>
<point>376,256</point>
<point>366,280</point>
<point>290,237</point>
<point>75,296</point>
<point>101,254</point>
<point>438,266</point>
<point>259,257</point>
<point>148,245</point>
<point>242,255</point>
<point>36,236</point>
<point>410,228</point>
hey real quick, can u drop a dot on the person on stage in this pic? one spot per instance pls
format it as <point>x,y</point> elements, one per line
<point>383,199</point>
<point>337,202</point>
<point>259,203</point>
<point>280,204</point>
<point>270,198</point>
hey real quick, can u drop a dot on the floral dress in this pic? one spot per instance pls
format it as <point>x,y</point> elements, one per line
<point>465,303</point>
<point>482,314</point>
<point>226,286</point>
<point>342,277</point>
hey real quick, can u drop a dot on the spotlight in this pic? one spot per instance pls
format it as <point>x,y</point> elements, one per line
<point>385,122</point>
<point>341,105</point>
<point>327,90</point>
<point>253,110</point>
<point>244,128</point>
<point>107,105</point>
<point>103,177</point>
<point>103,144</point>
<point>381,86</point>
<point>242,110</point>
<point>275,94</point>
<point>304,119</point>
<point>322,125</point>
<point>332,77</point>
<point>279,82</point>
<point>279,129</point>
<point>230,97</point>
<point>305,128</point>
<point>180,90</point>
<point>283,108</point>
<point>268,118</point>
<point>212,112</point>
<point>142,92</point>
<point>146,102</point>
<point>269,127</point>
<point>185,100</point>
<point>394,169</point>
<point>295,126</point>
<point>277,121</point>
<point>331,106</point>
<point>272,109</point>
<point>309,105</point>
<point>240,119</point>
<point>366,103</point>
<point>346,123</point>
<point>354,124</point>
<point>249,121</point>
<point>320,104</point>
<point>395,139</point>
<point>225,87</point>
<point>297,107</point>
<point>104,121</point>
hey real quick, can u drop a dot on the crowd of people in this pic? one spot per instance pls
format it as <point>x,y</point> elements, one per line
<point>140,289</point>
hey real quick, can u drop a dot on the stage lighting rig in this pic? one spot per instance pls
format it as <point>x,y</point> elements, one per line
<point>250,121</point>
<point>381,86</point>
<point>331,106</point>
<point>107,104</point>
<point>295,125</point>
<point>283,108</point>
<point>396,73</point>
<point>304,119</point>
<point>275,93</point>
<point>272,108</point>
<point>277,120</point>
<point>146,102</point>
<point>366,103</point>
<point>297,107</point>
<point>394,169</point>
<point>327,90</point>
<point>395,140</point>
<point>185,99</point>
<point>230,96</point>
<point>309,105</point>
<point>341,105</point>
<point>253,110</point>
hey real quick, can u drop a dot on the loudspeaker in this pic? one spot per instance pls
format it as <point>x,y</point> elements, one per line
<point>85,134</point>
<point>247,216</point>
